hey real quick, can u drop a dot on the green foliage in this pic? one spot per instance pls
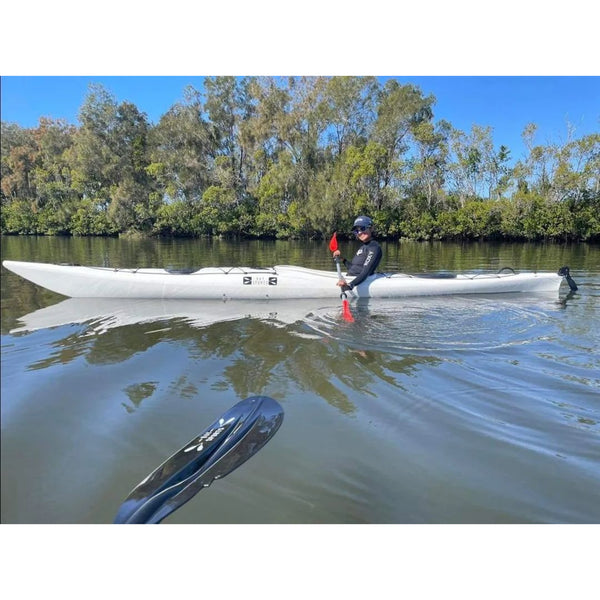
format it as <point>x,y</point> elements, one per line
<point>54,222</point>
<point>418,226</point>
<point>274,193</point>
<point>18,217</point>
<point>474,220</point>
<point>91,219</point>
<point>175,219</point>
<point>292,157</point>
<point>217,210</point>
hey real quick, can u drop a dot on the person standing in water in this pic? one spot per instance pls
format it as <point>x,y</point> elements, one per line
<point>367,257</point>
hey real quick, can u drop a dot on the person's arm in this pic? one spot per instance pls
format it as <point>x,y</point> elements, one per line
<point>371,262</point>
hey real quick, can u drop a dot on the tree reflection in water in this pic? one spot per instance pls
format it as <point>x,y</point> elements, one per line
<point>259,353</point>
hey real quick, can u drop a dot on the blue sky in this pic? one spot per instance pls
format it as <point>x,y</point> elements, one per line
<point>505,103</point>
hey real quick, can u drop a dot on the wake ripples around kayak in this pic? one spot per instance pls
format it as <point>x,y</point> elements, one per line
<point>440,324</point>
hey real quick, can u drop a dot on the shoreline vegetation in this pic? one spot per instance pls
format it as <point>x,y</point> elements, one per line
<point>292,158</point>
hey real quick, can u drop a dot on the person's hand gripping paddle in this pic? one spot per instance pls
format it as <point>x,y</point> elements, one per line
<point>333,246</point>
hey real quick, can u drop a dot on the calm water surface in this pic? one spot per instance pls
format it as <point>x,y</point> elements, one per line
<point>436,410</point>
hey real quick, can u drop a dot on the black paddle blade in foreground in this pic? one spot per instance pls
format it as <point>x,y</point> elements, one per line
<point>230,441</point>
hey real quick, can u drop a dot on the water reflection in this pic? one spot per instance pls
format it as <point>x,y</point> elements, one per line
<point>445,324</point>
<point>103,314</point>
<point>138,392</point>
<point>263,344</point>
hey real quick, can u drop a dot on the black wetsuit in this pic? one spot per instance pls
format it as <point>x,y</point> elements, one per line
<point>364,263</point>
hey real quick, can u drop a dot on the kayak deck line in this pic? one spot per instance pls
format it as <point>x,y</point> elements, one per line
<point>278,282</point>
<point>155,271</point>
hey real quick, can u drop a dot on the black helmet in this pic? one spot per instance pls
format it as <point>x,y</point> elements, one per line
<point>362,221</point>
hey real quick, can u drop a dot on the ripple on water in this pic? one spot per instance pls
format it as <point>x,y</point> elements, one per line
<point>440,324</point>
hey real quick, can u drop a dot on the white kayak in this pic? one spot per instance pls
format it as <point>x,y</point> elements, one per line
<point>276,283</point>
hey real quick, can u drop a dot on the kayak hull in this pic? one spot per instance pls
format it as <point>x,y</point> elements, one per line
<point>278,283</point>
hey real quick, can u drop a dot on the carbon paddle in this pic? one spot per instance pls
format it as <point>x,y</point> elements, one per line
<point>333,246</point>
<point>230,441</point>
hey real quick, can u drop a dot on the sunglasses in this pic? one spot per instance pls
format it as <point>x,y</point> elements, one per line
<point>361,229</point>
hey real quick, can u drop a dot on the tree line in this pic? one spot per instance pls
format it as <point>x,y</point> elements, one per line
<point>289,158</point>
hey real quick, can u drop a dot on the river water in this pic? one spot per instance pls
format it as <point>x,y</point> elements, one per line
<point>432,410</point>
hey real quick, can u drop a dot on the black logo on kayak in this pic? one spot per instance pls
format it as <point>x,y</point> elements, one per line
<point>259,280</point>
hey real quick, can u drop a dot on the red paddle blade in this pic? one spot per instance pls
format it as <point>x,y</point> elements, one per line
<point>346,311</point>
<point>333,246</point>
